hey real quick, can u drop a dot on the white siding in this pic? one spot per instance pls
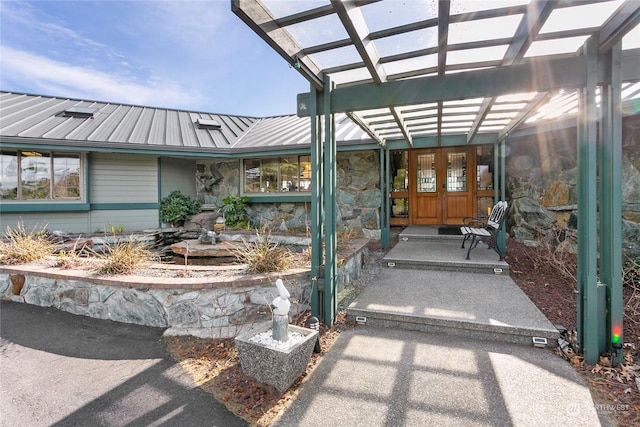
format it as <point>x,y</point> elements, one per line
<point>178,174</point>
<point>123,178</point>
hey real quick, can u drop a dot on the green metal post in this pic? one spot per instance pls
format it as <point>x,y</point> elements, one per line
<point>589,310</point>
<point>330,215</point>
<point>501,161</point>
<point>611,198</point>
<point>385,206</point>
<point>316,205</point>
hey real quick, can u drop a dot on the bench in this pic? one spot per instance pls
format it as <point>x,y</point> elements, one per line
<point>485,230</point>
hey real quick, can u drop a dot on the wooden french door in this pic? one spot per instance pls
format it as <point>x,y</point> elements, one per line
<point>441,185</point>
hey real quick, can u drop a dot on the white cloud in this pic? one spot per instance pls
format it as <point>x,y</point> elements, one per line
<point>25,69</point>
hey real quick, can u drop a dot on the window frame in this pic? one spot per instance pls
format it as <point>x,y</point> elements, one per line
<point>53,196</point>
<point>258,162</point>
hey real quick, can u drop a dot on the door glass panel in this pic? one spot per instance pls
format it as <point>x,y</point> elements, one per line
<point>484,206</point>
<point>400,208</point>
<point>484,162</point>
<point>399,166</point>
<point>456,172</point>
<point>426,171</point>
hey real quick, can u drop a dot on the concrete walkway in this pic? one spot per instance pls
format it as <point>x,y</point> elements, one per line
<point>390,377</point>
<point>443,342</point>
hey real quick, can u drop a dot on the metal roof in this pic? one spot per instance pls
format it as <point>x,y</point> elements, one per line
<point>357,43</point>
<point>39,119</point>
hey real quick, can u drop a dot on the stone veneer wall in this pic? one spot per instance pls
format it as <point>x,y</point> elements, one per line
<point>358,195</point>
<point>186,305</point>
<point>542,185</point>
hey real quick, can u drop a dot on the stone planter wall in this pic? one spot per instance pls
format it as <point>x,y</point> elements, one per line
<point>196,306</point>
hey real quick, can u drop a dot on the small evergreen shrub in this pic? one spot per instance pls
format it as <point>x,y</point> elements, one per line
<point>233,209</point>
<point>177,207</point>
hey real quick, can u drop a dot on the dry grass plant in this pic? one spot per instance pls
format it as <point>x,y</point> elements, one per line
<point>20,245</point>
<point>76,257</point>
<point>551,252</point>
<point>631,280</point>
<point>265,255</point>
<point>124,257</point>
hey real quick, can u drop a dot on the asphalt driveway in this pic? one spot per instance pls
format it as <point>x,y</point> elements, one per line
<point>59,369</point>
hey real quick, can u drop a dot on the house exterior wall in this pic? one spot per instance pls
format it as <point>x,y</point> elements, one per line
<point>123,178</point>
<point>177,174</point>
<point>70,222</point>
<point>123,189</point>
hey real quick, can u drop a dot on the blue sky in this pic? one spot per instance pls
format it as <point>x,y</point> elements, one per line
<point>194,55</point>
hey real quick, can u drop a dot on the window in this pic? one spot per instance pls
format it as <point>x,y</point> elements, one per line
<point>277,174</point>
<point>37,175</point>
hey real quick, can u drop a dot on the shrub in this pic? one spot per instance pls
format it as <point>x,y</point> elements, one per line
<point>23,245</point>
<point>233,209</point>
<point>177,207</point>
<point>264,255</point>
<point>124,257</point>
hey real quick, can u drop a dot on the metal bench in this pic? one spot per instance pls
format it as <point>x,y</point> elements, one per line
<point>485,230</point>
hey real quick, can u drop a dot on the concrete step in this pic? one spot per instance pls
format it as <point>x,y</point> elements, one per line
<point>478,306</point>
<point>444,255</point>
<point>468,329</point>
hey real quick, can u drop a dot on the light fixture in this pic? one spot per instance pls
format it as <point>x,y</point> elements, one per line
<point>296,62</point>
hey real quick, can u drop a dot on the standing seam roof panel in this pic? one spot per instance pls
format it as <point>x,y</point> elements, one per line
<point>88,125</point>
<point>172,133</point>
<point>142,127</point>
<point>187,134</point>
<point>17,106</point>
<point>124,129</point>
<point>203,135</point>
<point>105,129</point>
<point>157,129</point>
<point>22,121</point>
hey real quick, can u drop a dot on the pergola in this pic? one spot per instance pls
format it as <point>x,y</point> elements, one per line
<point>428,73</point>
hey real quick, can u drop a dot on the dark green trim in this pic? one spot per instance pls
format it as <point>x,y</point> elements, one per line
<point>39,207</point>
<point>123,206</point>
<point>86,176</point>
<point>280,198</point>
<point>159,169</point>
<point>302,149</point>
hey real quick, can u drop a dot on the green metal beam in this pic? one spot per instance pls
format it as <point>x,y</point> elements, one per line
<point>611,201</point>
<point>560,73</point>
<point>589,309</point>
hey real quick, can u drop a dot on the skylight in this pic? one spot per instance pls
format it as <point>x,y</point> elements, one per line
<point>208,123</point>
<point>80,112</point>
